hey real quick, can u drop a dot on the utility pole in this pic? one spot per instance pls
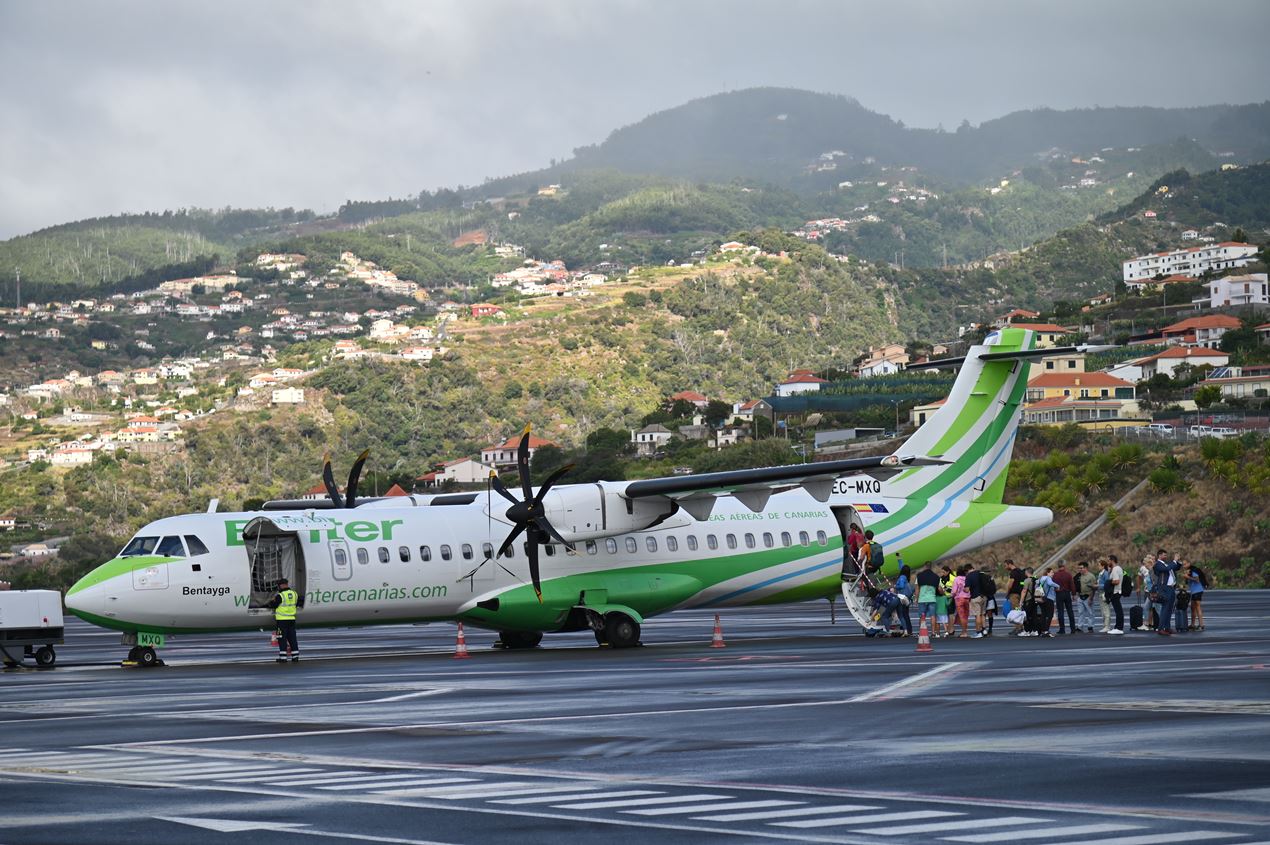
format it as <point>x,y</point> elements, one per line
<point>18,272</point>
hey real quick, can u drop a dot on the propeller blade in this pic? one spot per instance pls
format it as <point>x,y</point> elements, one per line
<point>522,464</point>
<point>328,480</point>
<point>532,551</point>
<point>511,539</point>
<point>350,492</point>
<point>551,479</point>
<point>550,530</point>
<point>502,491</point>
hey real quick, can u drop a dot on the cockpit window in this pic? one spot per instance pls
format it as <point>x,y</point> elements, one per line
<point>171,547</point>
<point>139,546</point>
<point>195,545</point>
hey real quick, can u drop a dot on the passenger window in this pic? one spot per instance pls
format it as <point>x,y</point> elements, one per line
<point>672,544</point>
<point>591,547</point>
<point>610,545</point>
<point>195,545</point>
<point>804,538</point>
<point>139,546</point>
<point>786,540</point>
<point>341,558</point>
<point>651,543</point>
<point>712,541</point>
<point>404,553</point>
<point>384,556</point>
<point>487,549</point>
<point>749,541</point>
<point>363,556</point>
<point>822,538</point>
<point>171,547</point>
<point>768,540</point>
<point>631,545</point>
<point>467,551</point>
<point>446,552</point>
<point>692,542</point>
<point>425,553</point>
<point>731,541</point>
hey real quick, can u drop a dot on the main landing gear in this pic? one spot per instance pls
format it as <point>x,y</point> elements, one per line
<point>143,655</point>
<point>618,631</point>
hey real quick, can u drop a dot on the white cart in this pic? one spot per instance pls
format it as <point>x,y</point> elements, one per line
<point>30,625</point>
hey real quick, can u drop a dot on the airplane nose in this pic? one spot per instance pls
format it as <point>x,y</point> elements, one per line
<point>87,597</point>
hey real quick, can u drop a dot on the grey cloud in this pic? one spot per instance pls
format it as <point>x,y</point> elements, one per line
<point>130,106</point>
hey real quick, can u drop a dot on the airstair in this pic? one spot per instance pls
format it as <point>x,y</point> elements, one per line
<point>858,588</point>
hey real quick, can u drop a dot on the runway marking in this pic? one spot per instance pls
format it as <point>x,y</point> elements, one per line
<point>1248,708</point>
<point>901,688</point>
<point>733,805</point>
<point>452,793</point>
<point>1262,795</point>
<point>933,827</point>
<point>275,774</point>
<point>234,826</point>
<point>621,794</point>
<point>1157,838</point>
<point>324,777</point>
<point>404,696</point>
<point>642,802</point>
<point>557,790</point>
<point>785,814</point>
<point>214,775</point>
<point>877,817</point>
<point>1010,836</point>
<point>387,785</point>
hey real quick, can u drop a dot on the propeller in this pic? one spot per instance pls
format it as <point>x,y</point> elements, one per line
<point>528,515</point>
<point>354,475</point>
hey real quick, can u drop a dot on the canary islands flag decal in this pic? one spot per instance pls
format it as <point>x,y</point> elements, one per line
<point>877,508</point>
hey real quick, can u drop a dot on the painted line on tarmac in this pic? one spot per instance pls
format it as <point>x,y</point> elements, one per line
<point>913,684</point>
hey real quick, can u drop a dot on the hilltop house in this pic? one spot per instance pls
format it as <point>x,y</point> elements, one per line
<point>884,360</point>
<point>800,382</point>
<point>1079,385</point>
<point>1228,291</point>
<point>459,471</point>
<point>1239,382</point>
<point>1200,331</point>
<point>1193,262</point>
<point>503,455</point>
<point>649,439</point>
<point>698,401</point>
<point>1169,360</point>
<point>1047,334</point>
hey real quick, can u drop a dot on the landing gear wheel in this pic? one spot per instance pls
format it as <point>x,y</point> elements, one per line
<point>45,656</point>
<point>601,639</point>
<point>520,639</point>
<point>147,656</point>
<point>620,630</point>
<point>134,654</point>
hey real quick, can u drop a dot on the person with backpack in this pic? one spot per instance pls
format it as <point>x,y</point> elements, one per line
<point>1197,580</point>
<point>1063,596</point>
<point>855,539</point>
<point>872,556</point>
<point>961,603</point>
<point>1086,588</point>
<point>1104,604</point>
<point>981,587</point>
<point>1047,590</point>
<point>904,588</point>
<point>1031,604</point>
<point>1140,618</point>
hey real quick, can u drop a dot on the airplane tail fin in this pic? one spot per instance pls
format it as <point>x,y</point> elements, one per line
<point>975,426</point>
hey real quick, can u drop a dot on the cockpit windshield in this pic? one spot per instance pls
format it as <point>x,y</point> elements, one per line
<point>139,546</point>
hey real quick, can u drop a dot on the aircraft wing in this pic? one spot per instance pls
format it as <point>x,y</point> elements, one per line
<point>753,487</point>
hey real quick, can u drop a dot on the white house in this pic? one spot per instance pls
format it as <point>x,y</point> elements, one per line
<point>1169,360</point>
<point>650,438</point>
<point>288,396</point>
<point>504,454</point>
<point>1192,261</point>
<point>1248,289</point>
<point>460,471</point>
<point>800,383</point>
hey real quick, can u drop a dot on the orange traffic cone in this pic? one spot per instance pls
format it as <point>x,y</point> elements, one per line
<point>717,641</point>
<point>460,646</point>
<point>273,639</point>
<point>923,637</point>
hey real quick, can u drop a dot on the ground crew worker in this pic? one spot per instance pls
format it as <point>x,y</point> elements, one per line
<point>284,609</point>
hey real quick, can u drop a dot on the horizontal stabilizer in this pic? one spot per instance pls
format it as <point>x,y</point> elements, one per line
<point>1019,355</point>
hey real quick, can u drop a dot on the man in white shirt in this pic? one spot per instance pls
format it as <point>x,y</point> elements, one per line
<point>1116,576</point>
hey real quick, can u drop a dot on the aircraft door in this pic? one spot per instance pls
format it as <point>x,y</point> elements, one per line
<point>847,516</point>
<point>273,553</point>
<point>341,563</point>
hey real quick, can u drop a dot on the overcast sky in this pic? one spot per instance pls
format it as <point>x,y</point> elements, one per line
<point>133,106</point>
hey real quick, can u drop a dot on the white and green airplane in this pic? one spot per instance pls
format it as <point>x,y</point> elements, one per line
<point>612,553</point>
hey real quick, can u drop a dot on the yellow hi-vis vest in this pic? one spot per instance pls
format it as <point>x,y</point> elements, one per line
<point>286,607</point>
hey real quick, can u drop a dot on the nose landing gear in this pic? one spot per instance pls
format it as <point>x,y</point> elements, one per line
<point>141,649</point>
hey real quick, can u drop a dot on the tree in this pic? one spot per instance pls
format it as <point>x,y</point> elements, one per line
<point>1207,395</point>
<point>1240,236</point>
<point>546,460</point>
<point>718,412</point>
<point>607,440</point>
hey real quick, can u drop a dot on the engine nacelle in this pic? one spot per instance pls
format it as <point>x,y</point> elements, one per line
<point>591,511</point>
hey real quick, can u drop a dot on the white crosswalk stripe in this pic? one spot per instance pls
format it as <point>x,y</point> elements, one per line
<point>838,821</point>
<point>583,797</point>
<point>962,824</point>
<point>1159,838</point>
<point>1259,795</point>
<point>220,775</point>
<point>393,783</point>
<point>730,805</point>
<point>325,777</point>
<point>274,775</point>
<point>560,791</point>
<point>1013,835</point>
<point>468,790</point>
<point>158,770</point>
<point>786,814</point>
<point>629,802</point>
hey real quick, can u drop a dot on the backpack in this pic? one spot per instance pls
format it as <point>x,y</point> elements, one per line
<point>1203,577</point>
<point>987,587</point>
<point>1126,585</point>
<point>877,556</point>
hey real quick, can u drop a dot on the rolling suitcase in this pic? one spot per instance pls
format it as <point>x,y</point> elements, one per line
<point>1135,617</point>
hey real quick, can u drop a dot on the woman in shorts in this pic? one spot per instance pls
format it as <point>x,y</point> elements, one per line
<point>1196,586</point>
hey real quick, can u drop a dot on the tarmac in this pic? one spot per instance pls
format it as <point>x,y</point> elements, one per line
<point>799,730</point>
